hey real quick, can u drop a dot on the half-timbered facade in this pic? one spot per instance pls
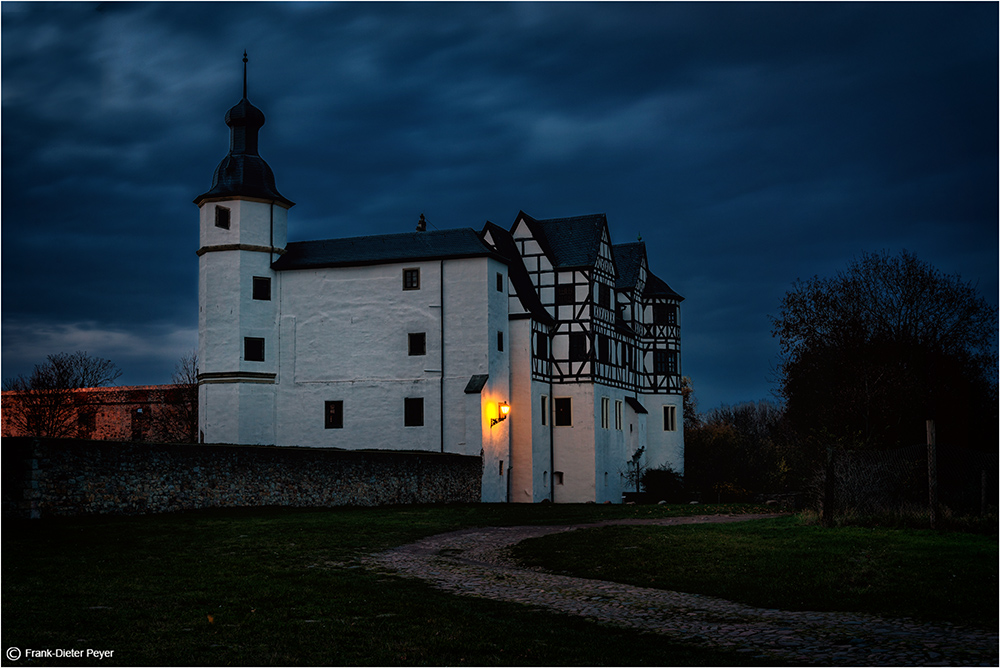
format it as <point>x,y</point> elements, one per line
<point>432,340</point>
<point>600,336</point>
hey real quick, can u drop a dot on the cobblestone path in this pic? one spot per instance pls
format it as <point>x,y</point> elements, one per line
<point>475,562</point>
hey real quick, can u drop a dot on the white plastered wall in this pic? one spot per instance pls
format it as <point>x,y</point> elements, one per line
<point>664,448</point>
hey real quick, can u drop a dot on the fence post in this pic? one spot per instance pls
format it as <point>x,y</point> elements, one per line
<point>932,486</point>
<point>826,518</point>
<point>982,491</point>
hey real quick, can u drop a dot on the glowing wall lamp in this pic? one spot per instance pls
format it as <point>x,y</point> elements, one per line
<point>502,410</point>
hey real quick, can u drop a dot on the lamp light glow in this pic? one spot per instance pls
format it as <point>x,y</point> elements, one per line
<point>502,409</point>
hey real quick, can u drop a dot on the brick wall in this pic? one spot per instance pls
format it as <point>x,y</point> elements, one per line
<point>52,477</point>
<point>157,413</point>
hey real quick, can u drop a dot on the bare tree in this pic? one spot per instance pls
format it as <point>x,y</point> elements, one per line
<point>177,419</point>
<point>45,404</point>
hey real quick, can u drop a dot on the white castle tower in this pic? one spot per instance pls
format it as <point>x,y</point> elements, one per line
<point>243,228</point>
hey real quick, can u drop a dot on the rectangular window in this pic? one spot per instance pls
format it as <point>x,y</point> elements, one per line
<point>578,346</point>
<point>499,282</point>
<point>557,477</point>
<point>413,412</point>
<point>222,217</point>
<point>545,410</point>
<point>605,412</point>
<point>665,314</point>
<point>618,415</point>
<point>334,415</point>
<point>672,363</point>
<point>565,294</point>
<point>411,279</point>
<point>604,295</point>
<point>542,345</point>
<point>501,467</point>
<point>262,288</point>
<point>669,418</point>
<point>253,349</point>
<point>417,343</point>
<point>564,412</point>
<point>500,341</point>
<point>661,366</point>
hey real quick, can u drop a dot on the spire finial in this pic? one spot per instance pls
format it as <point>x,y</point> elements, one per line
<point>244,73</point>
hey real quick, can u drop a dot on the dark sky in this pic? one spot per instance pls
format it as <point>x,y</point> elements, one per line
<point>749,144</point>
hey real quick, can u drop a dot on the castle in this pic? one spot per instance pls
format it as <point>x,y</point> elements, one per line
<point>545,349</point>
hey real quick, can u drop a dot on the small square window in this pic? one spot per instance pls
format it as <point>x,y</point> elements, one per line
<point>499,282</point>
<point>565,294</point>
<point>222,217</point>
<point>413,412</point>
<point>500,341</point>
<point>564,412</point>
<point>262,288</point>
<point>669,418</point>
<point>253,349</point>
<point>334,415</point>
<point>417,343</point>
<point>411,279</point>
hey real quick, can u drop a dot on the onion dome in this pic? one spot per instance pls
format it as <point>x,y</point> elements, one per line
<point>243,172</point>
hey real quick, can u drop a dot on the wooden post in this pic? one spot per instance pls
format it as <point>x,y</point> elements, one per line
<point>932,486</point>
<point>982,491</point>
<point>826,518</point>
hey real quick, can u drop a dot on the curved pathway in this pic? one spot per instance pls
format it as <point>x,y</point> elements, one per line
<point>476,562</point>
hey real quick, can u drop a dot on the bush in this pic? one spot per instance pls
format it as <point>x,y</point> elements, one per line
<point>663,484</point>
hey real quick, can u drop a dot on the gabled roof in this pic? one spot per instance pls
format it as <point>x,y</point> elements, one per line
<point>569,242</point>
<point>385,249</point>
<point>518,274</point>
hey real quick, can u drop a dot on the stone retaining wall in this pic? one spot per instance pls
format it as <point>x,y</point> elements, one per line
<point>51,477</point>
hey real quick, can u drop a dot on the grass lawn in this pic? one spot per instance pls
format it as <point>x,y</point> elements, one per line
<point>784,563</point>
<point>283,586</point>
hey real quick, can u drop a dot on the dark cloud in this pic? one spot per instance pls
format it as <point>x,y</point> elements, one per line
<point>749,144</point>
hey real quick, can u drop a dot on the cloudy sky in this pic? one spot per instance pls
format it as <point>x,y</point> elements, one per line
<point>748,144</point>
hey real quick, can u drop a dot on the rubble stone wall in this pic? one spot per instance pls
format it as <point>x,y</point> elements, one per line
<point>65,477</point>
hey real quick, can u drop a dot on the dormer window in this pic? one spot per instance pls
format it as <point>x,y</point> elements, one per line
<point>222,217</point>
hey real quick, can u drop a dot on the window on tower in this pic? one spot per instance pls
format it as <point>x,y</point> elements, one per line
<point>262,288</point>
<point>253,349</point>
<point>222,217</point>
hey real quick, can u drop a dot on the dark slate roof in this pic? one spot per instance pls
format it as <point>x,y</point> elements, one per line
<point>569,242</point>
<point>477,383</point>
<point>636,406</point>
<point>384,249</point>
<point>655,287</point>
<point>518,274</point>
<point>628,259</point>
